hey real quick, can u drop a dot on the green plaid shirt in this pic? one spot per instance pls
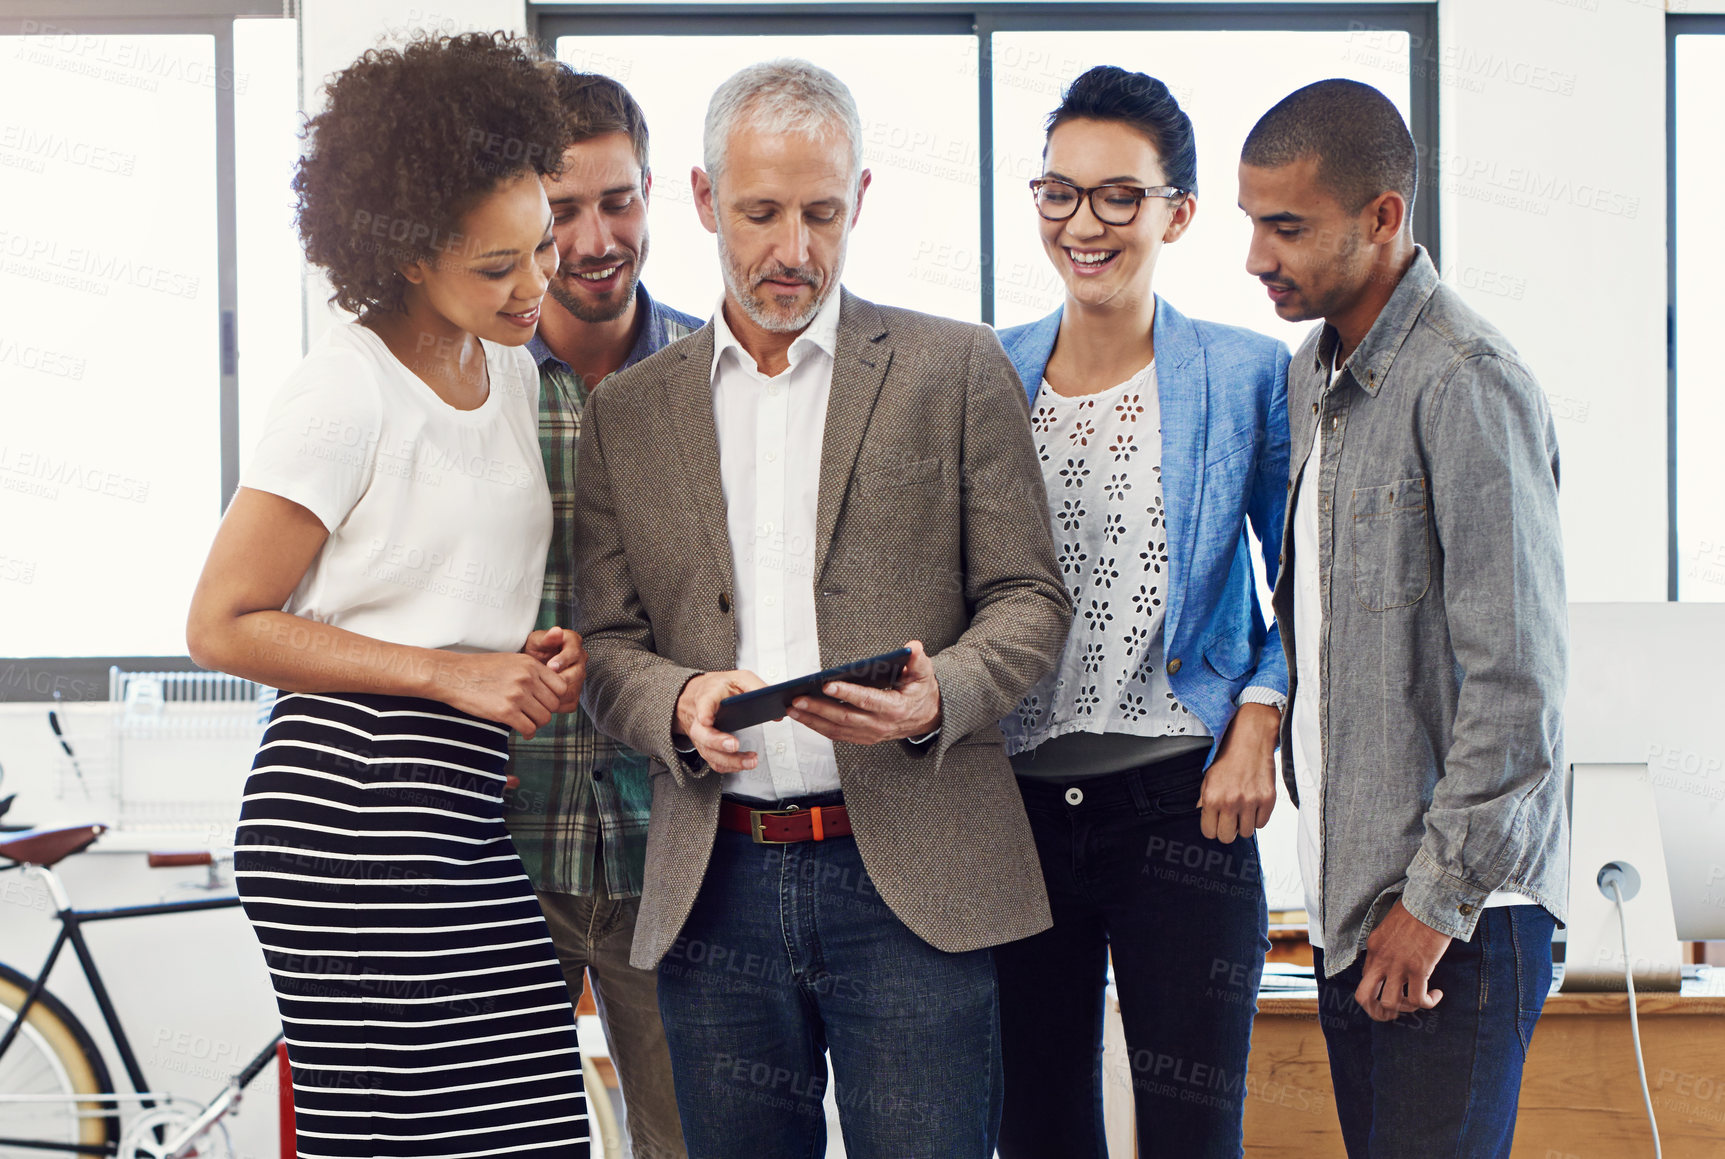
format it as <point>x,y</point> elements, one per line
<point>581,793</point>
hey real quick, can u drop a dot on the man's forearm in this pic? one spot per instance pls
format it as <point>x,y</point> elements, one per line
<point>632,693</point>
<point>1012,642</point>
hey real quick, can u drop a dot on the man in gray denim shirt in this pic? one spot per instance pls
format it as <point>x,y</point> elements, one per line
<point>1422,606</point>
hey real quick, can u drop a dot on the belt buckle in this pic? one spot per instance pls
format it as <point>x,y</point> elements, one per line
<point>755,816</point>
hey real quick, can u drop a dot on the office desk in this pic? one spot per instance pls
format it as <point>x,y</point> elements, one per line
<point>1580,1098</point>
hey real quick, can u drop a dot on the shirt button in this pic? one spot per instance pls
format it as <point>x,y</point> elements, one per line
<point>770,457</point>
<point>770,601</point>
<point>1173,665</point>
<point>766,528</point>
<point>1464,909</point>
<point>1314,408</point>
<point>598,774</point>
<point>1075,796</point>
<point>779,748</point>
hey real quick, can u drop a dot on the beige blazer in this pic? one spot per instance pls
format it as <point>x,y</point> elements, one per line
<point>932,525</point>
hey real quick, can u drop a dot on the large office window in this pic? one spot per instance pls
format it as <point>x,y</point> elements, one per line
<point>953,99</point>
<point>1697,250</point>
<point>123,264</point>
<point>919,140</point>
<point>107,172</point>
<point>1204,272</point>
<point>150,276</point>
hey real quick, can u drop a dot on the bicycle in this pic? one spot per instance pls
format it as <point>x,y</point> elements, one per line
<point>56,1094</point>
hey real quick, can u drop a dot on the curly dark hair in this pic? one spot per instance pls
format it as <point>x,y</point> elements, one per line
<point>410,139</point>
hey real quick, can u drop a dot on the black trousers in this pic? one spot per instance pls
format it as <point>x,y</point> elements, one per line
<point>1130,874</point>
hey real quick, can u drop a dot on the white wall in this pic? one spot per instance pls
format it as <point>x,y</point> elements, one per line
<point>1553,160</point>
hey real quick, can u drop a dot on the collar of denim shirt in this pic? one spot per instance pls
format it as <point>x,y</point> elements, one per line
<point>1370,363</point>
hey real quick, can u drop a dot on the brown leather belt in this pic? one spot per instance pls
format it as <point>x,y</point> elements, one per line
<point>785,826</point>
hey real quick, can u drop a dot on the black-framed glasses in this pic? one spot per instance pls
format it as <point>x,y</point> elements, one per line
<point>1116,205</point>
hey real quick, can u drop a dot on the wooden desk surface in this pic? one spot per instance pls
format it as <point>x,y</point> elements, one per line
<point>1580,1097</point>
<point>1557,1004</point>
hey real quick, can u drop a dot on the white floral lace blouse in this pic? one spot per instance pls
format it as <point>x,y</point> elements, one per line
<point>1101,461</point>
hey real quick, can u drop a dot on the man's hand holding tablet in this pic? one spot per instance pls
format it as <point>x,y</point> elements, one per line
<point>848,712</point>
<point>858,715</point>
<point>696,707</point>
<point>774,701</point>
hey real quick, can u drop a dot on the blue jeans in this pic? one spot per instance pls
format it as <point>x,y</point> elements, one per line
<point>1129,874</point>
<point>1443,1082</point>
<point>790,953</point>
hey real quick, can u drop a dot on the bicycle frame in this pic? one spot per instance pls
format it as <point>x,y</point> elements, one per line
<point>72,922</point>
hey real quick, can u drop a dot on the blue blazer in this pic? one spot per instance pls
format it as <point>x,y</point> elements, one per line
<point>1223,392</point>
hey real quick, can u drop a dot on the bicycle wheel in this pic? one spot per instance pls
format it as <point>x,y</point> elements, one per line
<point>52,1056</point>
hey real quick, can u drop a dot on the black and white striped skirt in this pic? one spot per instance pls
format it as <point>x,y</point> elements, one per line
<point>425,1011</point>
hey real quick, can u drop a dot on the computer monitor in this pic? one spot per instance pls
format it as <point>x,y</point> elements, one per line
<point>1647,685</point>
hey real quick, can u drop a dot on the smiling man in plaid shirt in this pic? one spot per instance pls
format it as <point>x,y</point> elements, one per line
<point>579,816</point>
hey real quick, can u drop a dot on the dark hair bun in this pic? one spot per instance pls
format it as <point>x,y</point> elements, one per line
<point>1108,93</point>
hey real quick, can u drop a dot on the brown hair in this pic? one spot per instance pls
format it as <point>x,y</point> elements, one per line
<point>594,105</point>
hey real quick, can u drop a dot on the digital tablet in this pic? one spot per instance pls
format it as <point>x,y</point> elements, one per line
<point>774,701</point>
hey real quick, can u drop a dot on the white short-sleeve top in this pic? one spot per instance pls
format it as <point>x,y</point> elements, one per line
<point>439,519</point>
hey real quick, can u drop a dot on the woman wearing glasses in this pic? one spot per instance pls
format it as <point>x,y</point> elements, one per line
<point>1146,759</point>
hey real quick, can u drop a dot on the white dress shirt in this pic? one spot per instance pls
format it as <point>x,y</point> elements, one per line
<point>1309,690</point>
<point>770,432</point>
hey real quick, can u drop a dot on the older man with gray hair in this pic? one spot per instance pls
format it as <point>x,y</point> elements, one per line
<point>851,479</point>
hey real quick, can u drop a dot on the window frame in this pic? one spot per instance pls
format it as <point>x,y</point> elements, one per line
<point>40,678</point>
<point>547,22</point>
<point>37,678</point>
<point>1676,24</point>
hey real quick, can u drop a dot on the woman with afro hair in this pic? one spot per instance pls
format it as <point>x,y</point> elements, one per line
<point>381,565</point>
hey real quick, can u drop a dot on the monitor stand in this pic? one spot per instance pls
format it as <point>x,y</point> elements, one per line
<point>1615,841</point>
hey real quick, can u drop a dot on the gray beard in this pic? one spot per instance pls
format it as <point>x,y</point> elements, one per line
<point>758,311</point>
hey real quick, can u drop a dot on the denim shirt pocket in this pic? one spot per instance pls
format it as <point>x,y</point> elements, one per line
<point>1391,540</point>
